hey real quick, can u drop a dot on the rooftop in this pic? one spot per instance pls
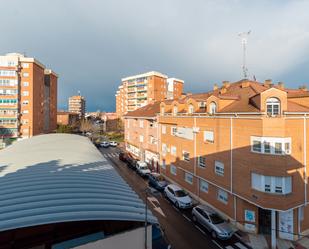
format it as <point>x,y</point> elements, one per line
<point>62,177</point>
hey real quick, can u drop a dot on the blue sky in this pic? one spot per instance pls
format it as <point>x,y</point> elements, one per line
<point>92,44</point>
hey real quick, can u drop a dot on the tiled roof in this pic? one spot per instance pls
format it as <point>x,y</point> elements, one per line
<point>149,110</point>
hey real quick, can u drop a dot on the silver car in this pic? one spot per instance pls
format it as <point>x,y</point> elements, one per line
<point>210,219</point>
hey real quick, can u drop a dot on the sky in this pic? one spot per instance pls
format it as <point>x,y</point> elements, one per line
<point>92,44</point>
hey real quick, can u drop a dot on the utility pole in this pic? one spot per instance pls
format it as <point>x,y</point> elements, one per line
<point>244,39</point>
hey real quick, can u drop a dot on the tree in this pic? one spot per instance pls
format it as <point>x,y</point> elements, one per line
<point>86,126</point>
<point>64,129</point>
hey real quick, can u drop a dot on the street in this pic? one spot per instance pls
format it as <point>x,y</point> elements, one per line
<point>180,230</point>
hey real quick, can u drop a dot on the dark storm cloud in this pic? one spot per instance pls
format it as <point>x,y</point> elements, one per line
<point>93,44</point>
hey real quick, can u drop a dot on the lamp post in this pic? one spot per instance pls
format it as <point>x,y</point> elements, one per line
<point>146,206</point>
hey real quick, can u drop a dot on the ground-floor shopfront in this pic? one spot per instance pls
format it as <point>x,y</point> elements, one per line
<point>246,215</point>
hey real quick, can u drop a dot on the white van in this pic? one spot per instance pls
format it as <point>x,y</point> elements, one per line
<point>142,168</point>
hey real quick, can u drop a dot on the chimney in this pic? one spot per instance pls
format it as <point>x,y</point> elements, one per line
<point>281,85</point>
<point>215,87</point>
<point>222,90</point>
<point>245,83</point>
<point>226,84</point>
<point>303,88</point>
<point>268,83</point>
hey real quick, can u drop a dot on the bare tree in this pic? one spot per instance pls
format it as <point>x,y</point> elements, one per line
<point>86,126</point>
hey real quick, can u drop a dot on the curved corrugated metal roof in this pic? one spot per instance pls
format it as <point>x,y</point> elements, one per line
<point>59,178</point>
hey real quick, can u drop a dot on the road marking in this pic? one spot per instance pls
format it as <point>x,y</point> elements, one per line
<point>238,236</point>
<point>239,245</point>
<point>186,217</point>
<point>229,247</point>
<point>216,243</point>
<point>200,229</point>
<point>176,208</point>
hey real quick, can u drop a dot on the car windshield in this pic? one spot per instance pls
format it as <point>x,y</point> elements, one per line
<point>216,219</point>
<point>180,193</point>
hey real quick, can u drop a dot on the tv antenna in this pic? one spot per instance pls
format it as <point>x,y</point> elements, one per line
<point>244,38</point>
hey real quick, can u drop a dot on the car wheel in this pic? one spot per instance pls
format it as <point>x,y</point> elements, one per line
<point>213,234</point>
<point>164,194</point>
<point>177,204</point>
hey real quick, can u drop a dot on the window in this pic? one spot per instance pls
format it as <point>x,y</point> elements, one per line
<point>173,150</point>
<point>173,170</point>
<point>203,186</point>
<point>273,106</point>
<point>202,161</point>
<point>212,108</point>
<point>25,102</point>
<point>25,65</point>
<point>162,110</point>
<point>219,168</point>
<point>175,110</point>
<point>278,148</point>
<point>222,196</point>
<point>257,146</point>
<point>164,149</point>
<point>271,145</point>
<point>152,140</point>
<point>141,138</point>
<point>25,93</point>
<point>191,109</point>
<point>266,147</point>
<point>163,129</point>
<point>174,130</point>
<point>163,165</point>
<point>202,104</point>
<point>141,123</point>
<point>209,136</point>
<point>26,83</point>
<point>7,73</point>
<point>25,121</point>
<point>271,184</point>
<point>25,75</point>
<point>25,111</point>
<point>186,156</point>
<point>189,178</point>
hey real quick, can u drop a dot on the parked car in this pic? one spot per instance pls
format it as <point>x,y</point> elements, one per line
<point>177,196</point>
<point>104,144</point>
<point>142,168</point>
<point>157,181</point>
<point>131,162</point>
<point>212,221</point>
<point>113,143</point>
<point>123,156</point>
<point>158,238</point>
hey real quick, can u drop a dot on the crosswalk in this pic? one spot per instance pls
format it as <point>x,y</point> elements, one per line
<point>110,155</point>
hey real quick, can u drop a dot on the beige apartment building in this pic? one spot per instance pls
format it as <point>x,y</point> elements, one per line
<point>28,97</point>
<point>139,90</point>
<point>242,149</point>
<point>141,134</point>
<point>77,104</point>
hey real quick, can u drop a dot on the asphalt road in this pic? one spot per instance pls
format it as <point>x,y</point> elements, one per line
<point>179,229</point>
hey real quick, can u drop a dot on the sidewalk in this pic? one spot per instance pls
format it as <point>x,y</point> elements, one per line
<point>259,241</point>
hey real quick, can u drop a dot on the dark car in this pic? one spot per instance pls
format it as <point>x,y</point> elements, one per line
<point>157,181</point>
<point>131,162</point>
<point>123,156</point>
<point>158,238</point>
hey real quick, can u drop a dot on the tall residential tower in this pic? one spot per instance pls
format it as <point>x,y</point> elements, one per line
<point>28,97</point>
<point>139,90</point>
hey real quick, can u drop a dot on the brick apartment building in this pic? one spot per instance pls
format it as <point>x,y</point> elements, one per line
<point>241,148</point>
<point>141,134</point>
<point>139,90</point>
<point>77,104</point>
<point>67,118</point>
<point>28,97</point>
